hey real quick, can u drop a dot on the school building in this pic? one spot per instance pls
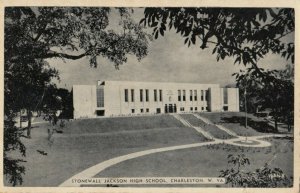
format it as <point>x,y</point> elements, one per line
<point>126,98</point>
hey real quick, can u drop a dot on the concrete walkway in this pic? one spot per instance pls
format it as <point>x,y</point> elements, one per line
<point>239,141</point>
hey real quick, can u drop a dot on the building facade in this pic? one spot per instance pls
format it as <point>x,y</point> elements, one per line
<point>122,98</point>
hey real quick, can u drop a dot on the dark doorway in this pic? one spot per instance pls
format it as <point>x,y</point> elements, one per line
<point>166,108</point>
<point>170,108</point>
<point>100,113</point>
<point>175,108</point>
<point>225,108</point>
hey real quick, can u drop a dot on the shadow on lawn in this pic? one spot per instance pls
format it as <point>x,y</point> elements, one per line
<point>259,126</point>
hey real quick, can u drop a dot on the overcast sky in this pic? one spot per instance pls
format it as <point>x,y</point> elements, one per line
<point>169,60</point>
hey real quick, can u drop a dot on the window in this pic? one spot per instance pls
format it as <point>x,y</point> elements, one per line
<point>206,95</point>
<point>202,108</point>
<point>132,110</point>
<point>196,108</point>
<point>100,97</point>
<point>147,110</point>
<point>183,97</point>
<point>191,95</point>
<point>147,95</point>
<point>160,95</point>
<point>195,95</point>
<point>179,95</point>
<point>191,108</point>
<point>155,95</point>
<point>206,108</point>
<point>202,95</point>
<point>181,108</point>
<point>225,108</point>
<point>142,110</point>
<point>225,95</point>
<point>126,95</point>
<point>141,95</point>
<point>132,95</point>
<point>158,110</point>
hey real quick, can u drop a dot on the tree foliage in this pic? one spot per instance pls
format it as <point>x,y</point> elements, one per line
<point>247,34</point>
<point>13,170</point>
<point>274,90</point>
<point>262,177</point>
<point>72,33</point>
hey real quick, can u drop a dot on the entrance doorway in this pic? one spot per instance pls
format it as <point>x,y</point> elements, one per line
<point>170,108</point>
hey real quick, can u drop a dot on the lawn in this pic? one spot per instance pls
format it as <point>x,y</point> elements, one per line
<point>235,121</point>
<point>85,143</point>
<point>206,161</point>
<point>102,125</point>
<point>212,129</point>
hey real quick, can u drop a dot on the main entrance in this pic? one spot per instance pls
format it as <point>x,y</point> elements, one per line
<point>170,108</point>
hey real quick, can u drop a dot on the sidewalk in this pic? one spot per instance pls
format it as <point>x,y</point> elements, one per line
<point>280,128</point>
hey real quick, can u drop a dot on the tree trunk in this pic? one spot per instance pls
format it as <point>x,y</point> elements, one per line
<point>29,115</point>
<point>20,119</point>
<point>289,123</point>
<point>276,123</point>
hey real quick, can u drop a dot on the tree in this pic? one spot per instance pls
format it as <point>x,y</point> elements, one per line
<point>262,177</point>
<point>274,90</point>
<point>25,85</point>
<point>35,34</point>
<point>58,99</point>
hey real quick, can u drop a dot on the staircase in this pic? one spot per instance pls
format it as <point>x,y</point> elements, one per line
<point>205,120</point>
<point>198,129</point>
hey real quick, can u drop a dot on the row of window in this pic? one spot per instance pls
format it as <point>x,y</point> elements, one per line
<point>194,108</point>
<point>142,91</point>
<point>193,95</point>
<point>141,110</point>
<point>170,109</point>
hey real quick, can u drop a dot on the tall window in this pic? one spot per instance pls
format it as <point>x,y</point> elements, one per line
<point>141,95</point>
<point>132,95</point>
<point>225,95</point>
<point>206,95</point>
<point>195,95</point>
<point>100,97</point>
<point>202,95</point>
<point>179,95</point>
<point>183,97</point>
<point>160,95</point>
<point>147,95</point>
<point>126,95</point>
<point>191,95</point>
<point>155,95</point>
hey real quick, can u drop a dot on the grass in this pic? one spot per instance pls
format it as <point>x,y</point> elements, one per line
<point>235,121</point>
<point>212,129</point>
<point>205,161</point>
<point>121,124</point>
<point>85,143</point>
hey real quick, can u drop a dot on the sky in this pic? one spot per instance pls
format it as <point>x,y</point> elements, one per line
<point>169,60</point>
